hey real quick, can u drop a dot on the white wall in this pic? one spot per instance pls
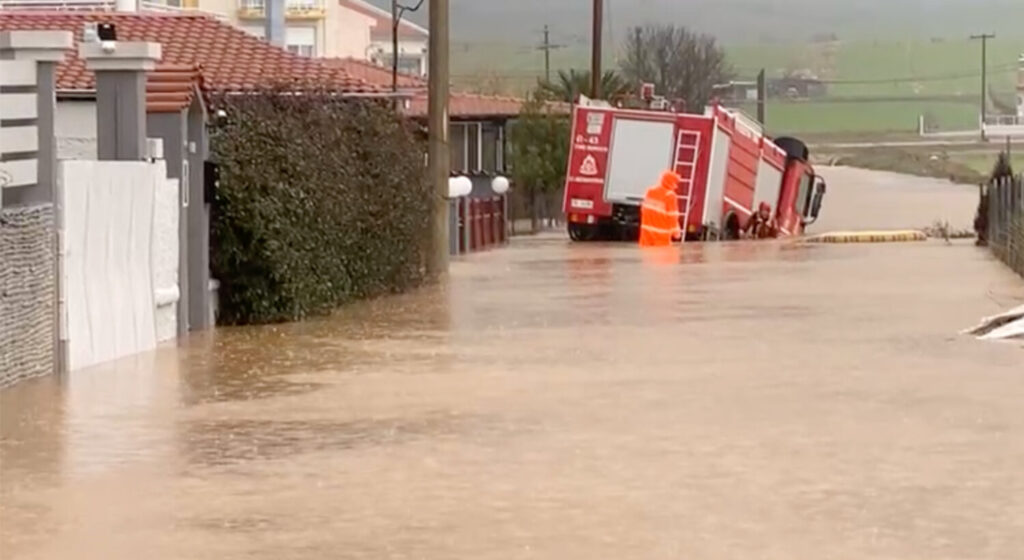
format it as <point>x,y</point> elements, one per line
<point>75,128</point>
<point>165,257</point>
<point>348,32</point>
<point>118,221</point>
<point>406,49</point>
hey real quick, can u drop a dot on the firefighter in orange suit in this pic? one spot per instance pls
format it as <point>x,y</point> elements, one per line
<point>659,215</point>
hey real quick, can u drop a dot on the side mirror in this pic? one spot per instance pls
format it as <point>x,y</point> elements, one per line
<point>819,195</point>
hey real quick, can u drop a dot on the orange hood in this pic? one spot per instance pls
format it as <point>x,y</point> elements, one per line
<point>670,180</point>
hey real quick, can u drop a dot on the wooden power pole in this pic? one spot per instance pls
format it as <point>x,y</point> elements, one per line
<point>547,47</point>
<point>438,155</point>
<point>762,97</point>
<point>984,37</point>
<point>595,51</point>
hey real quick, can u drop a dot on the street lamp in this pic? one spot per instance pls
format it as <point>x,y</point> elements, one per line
<point>499,185</point>
<point>459,186</point>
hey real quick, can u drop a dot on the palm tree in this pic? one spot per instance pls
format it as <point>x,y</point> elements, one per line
<point>571,84</point>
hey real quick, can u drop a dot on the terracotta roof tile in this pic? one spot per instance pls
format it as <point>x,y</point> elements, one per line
<point>374,74</point>
<point>473,105</point>
<point>230,59</point>
<point>171,87</point>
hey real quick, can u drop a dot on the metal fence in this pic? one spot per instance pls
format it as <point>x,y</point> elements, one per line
<point>1006,221</point>
<point>477,223</point>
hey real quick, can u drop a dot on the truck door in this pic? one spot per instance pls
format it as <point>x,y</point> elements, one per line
<point>795,197</point>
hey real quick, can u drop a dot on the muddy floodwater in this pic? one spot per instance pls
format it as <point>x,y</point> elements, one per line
<point>769,401</point>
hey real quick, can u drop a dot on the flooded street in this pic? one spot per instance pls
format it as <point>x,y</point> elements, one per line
<point>770,401</point>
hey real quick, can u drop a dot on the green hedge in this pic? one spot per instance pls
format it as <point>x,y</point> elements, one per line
<point>321,201</point>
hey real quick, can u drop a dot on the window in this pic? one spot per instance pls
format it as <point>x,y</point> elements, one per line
<point>457,143</point>
<point>490,139</point>
<point>301,50</point>
<point>473,147</point>
<point>804,195</point>
<point>253,5</point>
<point>301,40</point>
<point>407,64</point>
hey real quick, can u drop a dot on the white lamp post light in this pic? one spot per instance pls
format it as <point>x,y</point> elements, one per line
<point>499,185</point>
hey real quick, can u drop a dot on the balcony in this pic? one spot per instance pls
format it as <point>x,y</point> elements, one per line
<point>294,9</point>
<point>190,6</point>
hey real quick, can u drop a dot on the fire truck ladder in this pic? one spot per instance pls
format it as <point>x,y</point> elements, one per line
<point>687,148</point>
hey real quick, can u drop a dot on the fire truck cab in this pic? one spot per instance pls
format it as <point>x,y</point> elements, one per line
<point>727,164</point>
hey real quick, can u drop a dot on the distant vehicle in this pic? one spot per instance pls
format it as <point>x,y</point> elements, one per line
<point>727,164</point>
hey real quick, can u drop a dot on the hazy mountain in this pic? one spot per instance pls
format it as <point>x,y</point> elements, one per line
<point>518,21</point>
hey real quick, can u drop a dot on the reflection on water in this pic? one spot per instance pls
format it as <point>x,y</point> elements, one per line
<point>552,401</point>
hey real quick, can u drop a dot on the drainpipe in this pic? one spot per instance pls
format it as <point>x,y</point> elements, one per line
<point>274,19</point>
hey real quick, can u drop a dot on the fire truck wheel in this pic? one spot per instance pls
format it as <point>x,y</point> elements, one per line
<point>582,232</point>
<point>731,231</point>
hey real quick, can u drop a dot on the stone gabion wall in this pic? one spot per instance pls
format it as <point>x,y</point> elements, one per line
<point>27,293</point>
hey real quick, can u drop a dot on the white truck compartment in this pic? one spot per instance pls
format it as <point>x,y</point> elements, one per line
<point>640,152</point>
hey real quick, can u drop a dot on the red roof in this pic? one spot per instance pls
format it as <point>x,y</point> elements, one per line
<point>474,105</point>
<point>374,74</point>
<point>171,87</point>
<point>382,23</point>
<point>462,105</point>
<point>229,58</point>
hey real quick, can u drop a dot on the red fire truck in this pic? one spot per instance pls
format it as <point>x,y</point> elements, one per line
<point>727,164</point>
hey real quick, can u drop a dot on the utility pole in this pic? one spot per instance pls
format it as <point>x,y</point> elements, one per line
<point>595,50</point>
<point>984,37</point>
<point>394,46</point>
<point>439,155</point>
<point>762,96</point>
<point>397,11</point>
<point>547,47</point>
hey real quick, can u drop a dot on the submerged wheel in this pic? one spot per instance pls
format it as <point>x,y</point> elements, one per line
<point>583,232</point>
<point>731,231</point>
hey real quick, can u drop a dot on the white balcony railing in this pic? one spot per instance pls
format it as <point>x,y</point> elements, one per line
<point>293,8</point>
<point>97,6</point>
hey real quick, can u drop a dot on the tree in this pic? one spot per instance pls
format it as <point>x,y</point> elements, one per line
<point>680,63</point>
<point>572,83</point>
<point>539,150</point>
<point>1003,168</point>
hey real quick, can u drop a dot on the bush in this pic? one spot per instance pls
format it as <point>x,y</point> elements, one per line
<point>322,200</point>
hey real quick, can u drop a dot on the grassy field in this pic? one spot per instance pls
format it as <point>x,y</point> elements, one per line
<point>890,68</point>
<point>983,162</point>
<point>865,68</point>
<point>814,117</point>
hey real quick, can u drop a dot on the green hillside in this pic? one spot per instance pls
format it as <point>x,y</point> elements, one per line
<point>874,85</point>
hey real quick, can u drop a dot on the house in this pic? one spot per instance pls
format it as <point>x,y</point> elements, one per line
<point>478,123</point>
<point>313,28</point>
<point>802,84</point>
<point>412,38</point>
<point>227,59</point>
<point>736,91</point>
